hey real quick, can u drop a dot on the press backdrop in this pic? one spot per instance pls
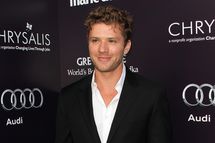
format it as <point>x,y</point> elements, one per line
<point>43,47</point>
<point>173,43</point>
<point>30,70</point>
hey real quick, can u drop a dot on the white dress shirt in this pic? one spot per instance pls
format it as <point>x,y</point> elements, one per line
<point>103,115</point>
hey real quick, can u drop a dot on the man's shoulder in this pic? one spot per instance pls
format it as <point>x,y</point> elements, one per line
<point>76,86</point>
<point>148,89</point>
<point>139,80</point>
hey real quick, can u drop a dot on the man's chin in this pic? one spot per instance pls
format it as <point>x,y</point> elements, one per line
<point>104,69</point>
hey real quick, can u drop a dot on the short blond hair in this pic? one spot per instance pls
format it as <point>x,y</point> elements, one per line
<point>111,15</point>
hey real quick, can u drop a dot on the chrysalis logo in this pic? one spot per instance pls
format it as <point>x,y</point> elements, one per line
<point>29,27</point>
<point>191,27</point>
<point>25,37</point>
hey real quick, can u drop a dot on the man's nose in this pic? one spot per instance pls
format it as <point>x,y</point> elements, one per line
<point>103,47</point>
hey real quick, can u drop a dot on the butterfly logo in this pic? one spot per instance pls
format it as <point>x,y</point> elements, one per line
<point>28,27</point>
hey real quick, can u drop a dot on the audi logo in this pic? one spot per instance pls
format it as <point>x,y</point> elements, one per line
<point>21,99</point>
<point>200,95</point>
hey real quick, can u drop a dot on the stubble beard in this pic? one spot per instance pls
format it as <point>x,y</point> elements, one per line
<point>106,68</point>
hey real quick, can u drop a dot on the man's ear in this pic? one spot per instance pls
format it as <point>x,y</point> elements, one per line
<point>127,47</point>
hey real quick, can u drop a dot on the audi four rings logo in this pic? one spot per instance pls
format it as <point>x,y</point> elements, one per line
<point>200,95</point>
<point>21,99</point>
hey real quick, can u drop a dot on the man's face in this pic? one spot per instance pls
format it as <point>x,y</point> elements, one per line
<point>107,47</point>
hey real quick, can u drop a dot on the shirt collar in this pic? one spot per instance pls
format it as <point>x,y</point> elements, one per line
<point>119,84</point>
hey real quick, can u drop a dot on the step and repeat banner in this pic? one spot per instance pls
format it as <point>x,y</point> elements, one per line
<point>43,47</point>
<point>30,69</point>
<point>173,43</point>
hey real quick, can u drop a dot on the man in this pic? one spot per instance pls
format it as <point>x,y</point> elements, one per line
<point>113,105</point>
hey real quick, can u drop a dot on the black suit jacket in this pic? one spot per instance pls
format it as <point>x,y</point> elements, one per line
<point>142,115</point>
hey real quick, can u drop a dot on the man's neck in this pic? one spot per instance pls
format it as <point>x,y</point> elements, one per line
<point>106,83</point>
<point>108,79</point>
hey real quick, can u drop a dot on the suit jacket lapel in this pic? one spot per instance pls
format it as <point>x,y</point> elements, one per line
<point>127,99</point>
<point>87,109</point>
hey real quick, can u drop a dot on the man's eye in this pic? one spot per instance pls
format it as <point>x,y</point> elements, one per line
<point>94,40</point>
<point>112,41</point>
